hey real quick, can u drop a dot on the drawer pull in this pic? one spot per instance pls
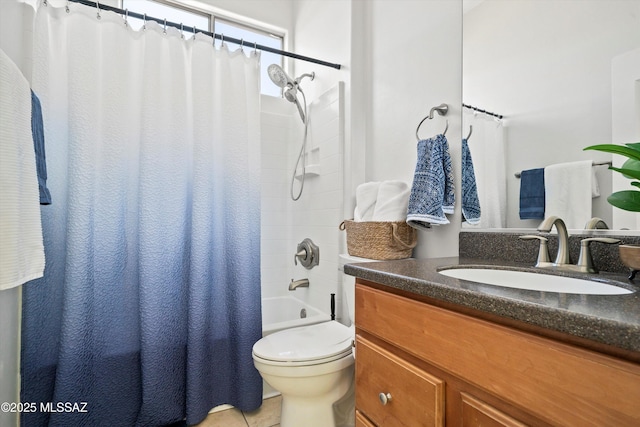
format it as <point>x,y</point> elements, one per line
<point>384,398</point>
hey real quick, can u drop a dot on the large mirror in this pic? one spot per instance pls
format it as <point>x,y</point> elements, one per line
<point>548,67</point>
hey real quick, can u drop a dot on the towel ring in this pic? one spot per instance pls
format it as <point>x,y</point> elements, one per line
<point>470,132</point>
<point>442,110</point>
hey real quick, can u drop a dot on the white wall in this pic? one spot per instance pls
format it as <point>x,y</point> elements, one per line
<point>625,78</point>
<point>546,65</point>
<point>318,212</point>
<point>415,49</point>
<point>277,128</point>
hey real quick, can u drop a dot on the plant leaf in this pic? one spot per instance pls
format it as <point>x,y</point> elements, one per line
<point>636,184</point>
<point>628,173</point>
<point>634,145</point>
<point>628,200</point>
<point>631,153</point>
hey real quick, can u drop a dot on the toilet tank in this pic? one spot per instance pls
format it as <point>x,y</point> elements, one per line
<point>349,282</point>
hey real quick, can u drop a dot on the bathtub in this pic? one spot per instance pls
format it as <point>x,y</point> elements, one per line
<point>280,313</point>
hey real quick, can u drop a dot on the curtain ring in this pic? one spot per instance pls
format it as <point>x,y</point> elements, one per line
<point>241,45</point>
<point>195,31</point>
<point>164,31</point>
<point>181,31</point>
<point>144,22</point>
<point>98,7</point>
<point>126,18</point>
<point>255,47</point>
<point>221,39</point>
<point>66,7</point>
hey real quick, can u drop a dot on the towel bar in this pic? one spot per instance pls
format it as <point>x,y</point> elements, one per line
<point>609,163</point>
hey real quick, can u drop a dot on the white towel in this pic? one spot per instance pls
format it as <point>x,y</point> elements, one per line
<point>366,196</point>
<point>568,192</point>
<point>392,201</point>
<point>21,244</point>
<point>595,187</point>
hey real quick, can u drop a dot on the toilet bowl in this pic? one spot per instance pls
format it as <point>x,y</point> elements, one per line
<point>313,367</point>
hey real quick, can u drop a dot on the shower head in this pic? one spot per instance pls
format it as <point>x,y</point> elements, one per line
<point>279,77</point>
<point>290,86</point>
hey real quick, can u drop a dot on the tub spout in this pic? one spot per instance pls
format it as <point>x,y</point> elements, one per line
<point>302,283</point>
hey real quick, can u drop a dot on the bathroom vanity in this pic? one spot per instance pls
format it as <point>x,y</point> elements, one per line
<point>432,350</point>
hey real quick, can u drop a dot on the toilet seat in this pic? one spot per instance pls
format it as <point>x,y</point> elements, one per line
<point>305,345</point>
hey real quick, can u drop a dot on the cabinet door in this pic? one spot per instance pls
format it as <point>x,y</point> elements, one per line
<point>362,421</point>
<point>476,413</point>
<point>392,392</point>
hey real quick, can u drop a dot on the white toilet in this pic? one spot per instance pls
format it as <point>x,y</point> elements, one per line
<point>313,367</point>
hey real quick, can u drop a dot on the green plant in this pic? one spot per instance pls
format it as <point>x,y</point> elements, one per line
<point>628,200</point>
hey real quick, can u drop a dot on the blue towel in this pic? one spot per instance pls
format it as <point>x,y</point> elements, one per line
<point>37,131</point>
<point>470,202</point>
<point>532,194</point>
<point>432,193</point>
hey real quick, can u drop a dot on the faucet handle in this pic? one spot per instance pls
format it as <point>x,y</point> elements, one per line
<point>585,261</point>
<point>543,252</point>
<point>302,254</point>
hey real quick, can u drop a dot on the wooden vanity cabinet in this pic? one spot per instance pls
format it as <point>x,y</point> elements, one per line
<point>422,365</point>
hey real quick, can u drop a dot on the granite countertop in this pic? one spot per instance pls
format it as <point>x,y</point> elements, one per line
<point>613,320</point>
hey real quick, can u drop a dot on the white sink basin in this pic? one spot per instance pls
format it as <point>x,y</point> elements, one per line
<point>534,281</point>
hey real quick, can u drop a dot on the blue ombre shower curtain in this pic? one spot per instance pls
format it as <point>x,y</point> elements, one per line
<point>150,303</point>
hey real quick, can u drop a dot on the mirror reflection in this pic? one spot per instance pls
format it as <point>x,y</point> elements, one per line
<point>542,71</point>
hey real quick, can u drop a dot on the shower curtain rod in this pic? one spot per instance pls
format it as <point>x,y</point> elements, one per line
<point>479,110</point>
<point>240,42</point>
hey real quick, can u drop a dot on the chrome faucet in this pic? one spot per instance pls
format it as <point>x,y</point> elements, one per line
<point>563,238</point>
<point>302,283</point>
<point>585,262</point>
<point>596,223</point>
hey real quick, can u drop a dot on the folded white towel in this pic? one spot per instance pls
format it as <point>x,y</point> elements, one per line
<point>366,196</point>
<point>21,245</point>
<point>595,187</point>
<point>568,192</point>
<point>392,202</point>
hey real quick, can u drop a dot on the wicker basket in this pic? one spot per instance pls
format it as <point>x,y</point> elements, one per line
<point>381,240</point>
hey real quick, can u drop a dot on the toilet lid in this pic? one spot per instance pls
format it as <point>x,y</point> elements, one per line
<point>305,343</point>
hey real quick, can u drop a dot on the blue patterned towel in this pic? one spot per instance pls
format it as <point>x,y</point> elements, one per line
<point>470,202</point>
<point>532,194</point>
<point>432,192</point>
<point>37,132</point>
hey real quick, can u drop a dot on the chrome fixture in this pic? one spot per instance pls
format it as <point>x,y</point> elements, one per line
<point>585,261</point>
<point>302,283</point>
<point>543,253</point>
<point>290,88</point>
<point>308,254</point>
<point>442,110</point>
<point>384,398</point>
<point>562,258</point>
<point>596,223</point>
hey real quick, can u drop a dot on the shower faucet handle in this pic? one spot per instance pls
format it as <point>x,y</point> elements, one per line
<point>308,253</point>
<point>301,254</point>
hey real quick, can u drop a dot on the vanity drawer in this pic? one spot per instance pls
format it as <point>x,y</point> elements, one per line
<point>475,412</point>
<point>362,421</point>
<point>414,397</point>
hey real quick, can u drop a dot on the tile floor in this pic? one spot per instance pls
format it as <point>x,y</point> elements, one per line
<point>268,415</point>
